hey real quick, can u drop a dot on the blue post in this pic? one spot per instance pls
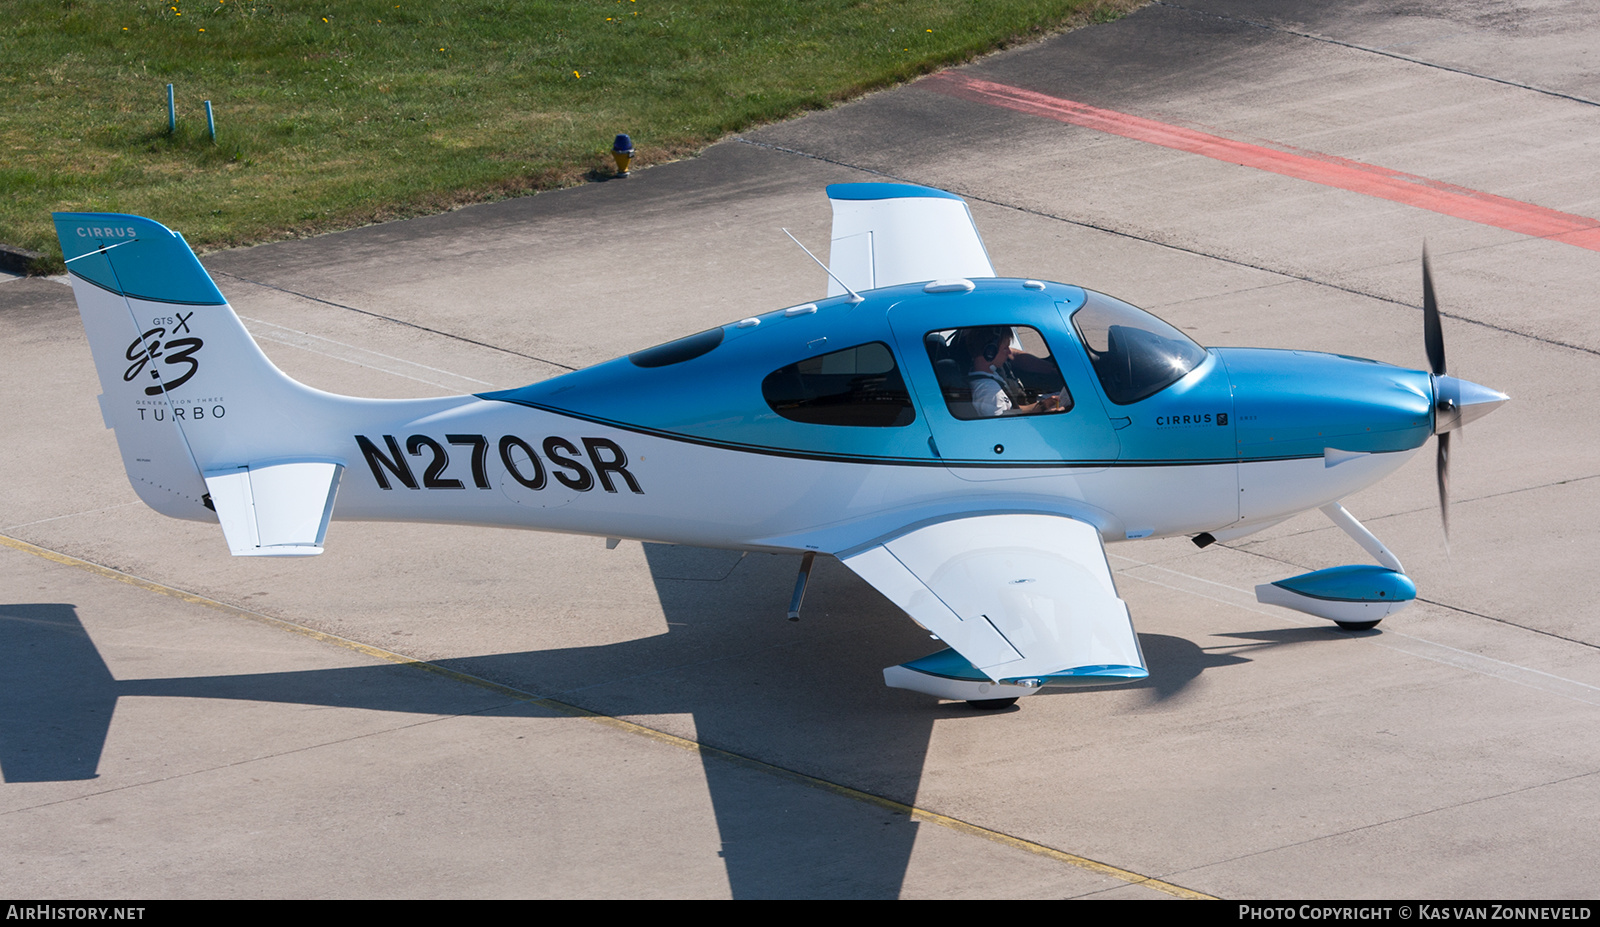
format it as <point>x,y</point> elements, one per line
<point>211,123</point>
<point>172,113</point>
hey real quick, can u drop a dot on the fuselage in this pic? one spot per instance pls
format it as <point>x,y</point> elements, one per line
<point>826,425</point>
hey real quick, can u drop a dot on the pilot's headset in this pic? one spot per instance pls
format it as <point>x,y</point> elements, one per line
<point>991,339</point>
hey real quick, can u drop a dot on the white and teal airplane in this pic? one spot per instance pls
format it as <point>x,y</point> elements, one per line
<point>965,443</point>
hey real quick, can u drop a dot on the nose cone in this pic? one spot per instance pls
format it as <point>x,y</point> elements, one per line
<point>1457,402</point>
<point>1300,403</point>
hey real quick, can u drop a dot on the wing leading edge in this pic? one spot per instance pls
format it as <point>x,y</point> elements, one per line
<point>1024,601</point>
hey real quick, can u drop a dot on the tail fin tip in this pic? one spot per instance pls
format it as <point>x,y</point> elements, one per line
<point>135,257</point>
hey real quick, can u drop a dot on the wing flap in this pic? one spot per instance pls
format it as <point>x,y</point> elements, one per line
<point>977,639</point>
<point>1018,596</point>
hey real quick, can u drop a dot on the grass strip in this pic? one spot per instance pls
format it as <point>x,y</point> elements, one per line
<point>339,113</point>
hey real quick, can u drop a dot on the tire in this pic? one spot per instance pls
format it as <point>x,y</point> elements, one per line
<point>991,704</point>
<point>1357,625</point>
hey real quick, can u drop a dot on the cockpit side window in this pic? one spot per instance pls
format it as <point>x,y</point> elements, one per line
<point>996,370</point>
<point>1135,354</point>
<point>859,386</point>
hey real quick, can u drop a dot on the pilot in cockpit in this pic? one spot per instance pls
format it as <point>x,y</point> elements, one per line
<point>994,390</point>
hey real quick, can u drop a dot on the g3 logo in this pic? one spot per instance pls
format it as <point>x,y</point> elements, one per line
<point>149,348</point>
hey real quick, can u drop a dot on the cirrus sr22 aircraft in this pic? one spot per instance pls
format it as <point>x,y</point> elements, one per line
<point>965,443</point>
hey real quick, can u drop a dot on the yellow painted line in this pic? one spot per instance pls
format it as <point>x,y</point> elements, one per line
<point>911,811</point>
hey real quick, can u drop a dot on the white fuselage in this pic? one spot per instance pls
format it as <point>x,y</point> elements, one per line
<point>601,480</point>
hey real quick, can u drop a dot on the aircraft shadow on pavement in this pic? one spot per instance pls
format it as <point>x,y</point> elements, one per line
<point>805,697</point>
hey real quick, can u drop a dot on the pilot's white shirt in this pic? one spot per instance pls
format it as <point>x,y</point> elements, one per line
<point>989,394</point>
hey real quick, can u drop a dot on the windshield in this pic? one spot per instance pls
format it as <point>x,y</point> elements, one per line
<point>1135,354</point>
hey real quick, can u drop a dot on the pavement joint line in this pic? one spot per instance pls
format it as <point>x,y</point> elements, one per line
<point>843,634</point>
<point>1395,820</point>
<point>1243,545</point>
<point>1387,54</point>
<point>912,812</point>
<point>387,318</point>
<point>1233,293</point>
<point>1421,647</point>
<point>1468,656</point>
<point>244,761</point>
<point>1512,624</point>
<point>282,334</point>
<point>40,521</point>
<point>1084,223</point>
<point>1247,551</point>
<point>1247,547</point>
<point>1181,249</point>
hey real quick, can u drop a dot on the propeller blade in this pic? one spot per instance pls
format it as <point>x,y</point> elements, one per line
<point>1442,465</point>
<point>1433,342</point>
<point>1432,333</point>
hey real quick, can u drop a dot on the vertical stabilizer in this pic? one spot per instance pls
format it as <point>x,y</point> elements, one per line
<point>184,386</point>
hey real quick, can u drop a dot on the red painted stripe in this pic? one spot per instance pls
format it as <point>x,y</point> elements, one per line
<point>1440,197</point>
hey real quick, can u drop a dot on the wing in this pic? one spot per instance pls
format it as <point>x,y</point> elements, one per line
<point>886,234</point>
<point>1022,600</point>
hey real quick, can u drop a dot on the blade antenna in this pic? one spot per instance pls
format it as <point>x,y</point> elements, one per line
<point>854,296</point>
<point>101,250</point>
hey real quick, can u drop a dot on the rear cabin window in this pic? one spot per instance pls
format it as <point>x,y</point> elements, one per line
<point>859,386</point>
<point>676,352</point>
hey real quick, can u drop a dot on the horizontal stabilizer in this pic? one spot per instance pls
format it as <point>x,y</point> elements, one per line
<point>277,510</point>
<point>1024,600</point>
<point>886,234</point>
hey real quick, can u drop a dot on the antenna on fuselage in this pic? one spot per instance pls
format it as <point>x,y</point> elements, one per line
<point>854,296</point>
